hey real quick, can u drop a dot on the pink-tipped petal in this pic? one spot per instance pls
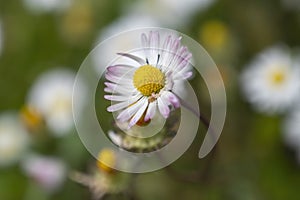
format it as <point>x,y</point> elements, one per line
<point>118,106</point>
<point>144,40</point>
<point>138,115</point>
<point>175,46</point>
<point>163,108</point>
<point>119,70</point>
<point>156,39</point>
<point>116,97</point>
<point>122,105</point>
<point>188,75</point>
<point>133,57</point>
<point>151,111</point>
<point>154,46</point>
<point>167,42</point>
<point>108,90</point>
<point>173,99</point>
<point>131,110</point>
<point>121,90</point>
<point>124,78</point>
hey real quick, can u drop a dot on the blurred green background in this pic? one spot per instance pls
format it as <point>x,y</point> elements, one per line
<point>251,160</point>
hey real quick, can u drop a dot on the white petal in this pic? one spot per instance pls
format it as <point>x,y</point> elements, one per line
<point>131,110</point>
<point>119,106</point>
<point>154,46</point>
<point>144,41</point>
<point>138,115</point>
<point>125,90</point>
<point>151,111</point>
<point>117,79</point>
<point>116,97</point>
<point>163,108</point>
<point>133,57</point>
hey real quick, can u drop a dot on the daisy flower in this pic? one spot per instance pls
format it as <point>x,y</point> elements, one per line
<point>13,138</point>
<point>51,96</point>
<point>139,90</point>
<point>272,81</point>
<point>48,172</point>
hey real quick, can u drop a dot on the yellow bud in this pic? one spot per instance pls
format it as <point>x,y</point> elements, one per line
<point>106,158</point>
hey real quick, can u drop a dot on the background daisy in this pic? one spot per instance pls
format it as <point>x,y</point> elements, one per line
<point>51,95</point>
<point>49,172</point>
<point>13,139</point>
<point>272,80</point>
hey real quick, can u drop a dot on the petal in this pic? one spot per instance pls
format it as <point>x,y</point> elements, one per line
<point>172,98</point>
<point>110,85</point>
<point>183,74</point>
<point>165,51</point>
<point>119,106</point>
<point>182,55</point>
<point>155,40</point>
<point>116,97</point>
<point>138,115</point>
<point>154,46</point>
<point>151,111</point>
<point>119,70</point>
<point>188,75</point>
<point>131,110</point>
<point>163,108</point>
<point>145,45</point>
<point>167,42</point>
<point>116,79</point>
<point>175,45</point>
<point>144,41</point>
<point>133,57</point>
<point>125,90</point>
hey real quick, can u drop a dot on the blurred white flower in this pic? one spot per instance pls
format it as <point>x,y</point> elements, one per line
<point>1,38</point>
<point>51,95</point>
<point>171,12</point>
<point>48,172</point>
<point>124,23</point>
<point>272,81</point>
<point>291,4</point>
<point>13,138</point>
<point>291,130</point>
<point>41,6</point>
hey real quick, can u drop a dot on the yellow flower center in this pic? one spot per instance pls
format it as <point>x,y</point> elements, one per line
<point>278,77</point>
<point>148,80</point>
<point>106,157</point>
<point>31,117</point>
